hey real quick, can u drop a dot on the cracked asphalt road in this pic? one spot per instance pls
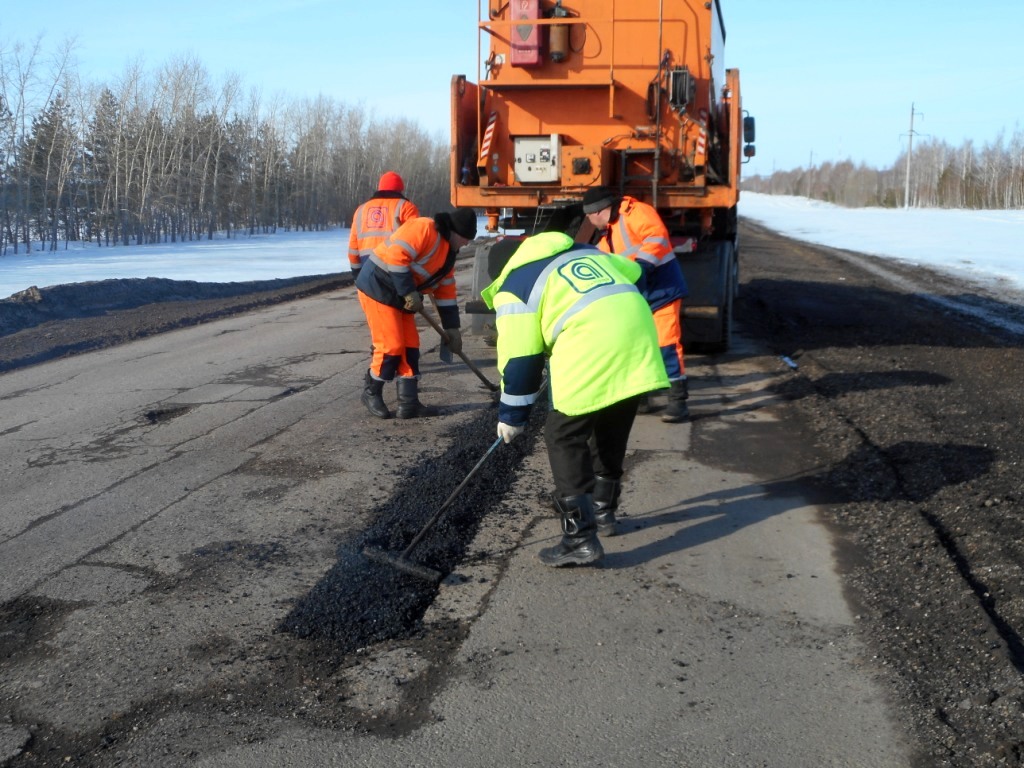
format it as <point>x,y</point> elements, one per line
<point>913,408</point>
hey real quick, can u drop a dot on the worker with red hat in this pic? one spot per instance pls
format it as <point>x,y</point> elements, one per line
<point>634,229</point>
<point>417,259</point>
<point>377,218</point>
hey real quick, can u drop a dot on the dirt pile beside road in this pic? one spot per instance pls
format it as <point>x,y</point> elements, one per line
<point>37,325</point>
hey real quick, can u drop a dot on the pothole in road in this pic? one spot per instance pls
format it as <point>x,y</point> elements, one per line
<point>26,623</point>
<point>162,415</point>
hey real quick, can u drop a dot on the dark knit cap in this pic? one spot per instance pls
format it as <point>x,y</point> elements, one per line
<point>598,198</point>
<point>464,222</point>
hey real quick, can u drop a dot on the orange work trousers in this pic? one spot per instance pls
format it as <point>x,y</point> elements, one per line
<point>670,338</point>
<point>396,340</point>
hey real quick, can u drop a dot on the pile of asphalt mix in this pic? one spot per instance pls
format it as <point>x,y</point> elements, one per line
<point>361,601</point>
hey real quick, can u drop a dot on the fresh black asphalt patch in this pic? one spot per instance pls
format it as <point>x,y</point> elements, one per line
<point>360,601</point>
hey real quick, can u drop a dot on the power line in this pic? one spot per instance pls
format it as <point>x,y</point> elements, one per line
<point>910,151</point>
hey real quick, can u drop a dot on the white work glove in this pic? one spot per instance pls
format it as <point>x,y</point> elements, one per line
<point>508,433</point>
<point>454,339</point>
<point>413,301</point>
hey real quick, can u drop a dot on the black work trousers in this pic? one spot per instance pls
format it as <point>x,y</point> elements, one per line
<point>582,447</point>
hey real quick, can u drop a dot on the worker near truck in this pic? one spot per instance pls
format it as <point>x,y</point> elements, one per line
<point>634,229</point>
<point>577,309</point>
<point>378,217</point>
<point>417,259</point>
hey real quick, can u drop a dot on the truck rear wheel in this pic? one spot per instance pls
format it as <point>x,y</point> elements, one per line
<point>725,319</point>
<point>712,275</point>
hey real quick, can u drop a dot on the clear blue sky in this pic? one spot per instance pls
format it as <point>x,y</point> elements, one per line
<point>825,79</point>
<point>837,78</point>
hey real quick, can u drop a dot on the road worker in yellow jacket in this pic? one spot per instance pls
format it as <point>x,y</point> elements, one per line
<point>578,310</point>
<point>418,258</point>
<point>377,218</point>
<point>634,229</point>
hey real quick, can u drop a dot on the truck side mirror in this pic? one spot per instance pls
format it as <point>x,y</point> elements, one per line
<point>748,129</point>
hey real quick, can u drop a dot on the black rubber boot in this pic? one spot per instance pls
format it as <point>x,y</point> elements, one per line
<point>677,409</point>
<point>409,405</point>
<point>644,404</point>
<point>579,544</point>
<point>373,397</point>
<point>606,501</point>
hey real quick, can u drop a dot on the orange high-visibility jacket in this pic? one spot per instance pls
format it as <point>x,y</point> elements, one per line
<point>639,234</point>
<point>413,255</point>
<point>373,221</point>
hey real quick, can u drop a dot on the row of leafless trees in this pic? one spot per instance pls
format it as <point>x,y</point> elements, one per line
<point>941,176</point>
<point>170,155</point>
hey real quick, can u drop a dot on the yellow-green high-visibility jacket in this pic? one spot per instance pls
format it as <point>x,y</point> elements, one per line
<point>578,308</point>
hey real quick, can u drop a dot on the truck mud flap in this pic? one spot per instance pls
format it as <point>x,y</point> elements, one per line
<point>707,312</point>
<point>488,261</point>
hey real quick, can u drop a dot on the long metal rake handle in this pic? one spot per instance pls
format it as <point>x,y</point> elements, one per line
<point>444,337</point>
<point>447,502</point>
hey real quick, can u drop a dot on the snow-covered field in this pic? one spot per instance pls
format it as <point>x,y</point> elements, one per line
<point>239,259</point>
<point>978,245</point>
<point>982,246</point>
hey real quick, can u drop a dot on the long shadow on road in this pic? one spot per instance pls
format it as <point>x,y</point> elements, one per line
<point>724,512</point>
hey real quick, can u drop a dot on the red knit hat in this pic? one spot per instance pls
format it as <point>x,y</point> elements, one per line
<point>391,182</point>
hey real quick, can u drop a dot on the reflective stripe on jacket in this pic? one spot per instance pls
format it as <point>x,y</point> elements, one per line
<point>373,221</point>
<point>408,258</point>
<point>577,308</point>
<point>640,235</point>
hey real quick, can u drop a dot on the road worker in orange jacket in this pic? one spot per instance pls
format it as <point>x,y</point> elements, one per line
<point>634,229</point>
<point>418,258</point>
<point>377,218</point>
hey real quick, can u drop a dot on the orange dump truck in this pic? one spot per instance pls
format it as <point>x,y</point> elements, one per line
<point>630,94</point>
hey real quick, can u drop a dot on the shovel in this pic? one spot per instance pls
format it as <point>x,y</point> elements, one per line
<point>444,337</point>
<point>401,561</point>
<point>444,352</point>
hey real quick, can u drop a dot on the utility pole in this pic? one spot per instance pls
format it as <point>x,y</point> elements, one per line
<point>910,151</point>
<point>810,173</point>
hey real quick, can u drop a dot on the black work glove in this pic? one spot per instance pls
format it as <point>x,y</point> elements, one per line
<point>454,339</point>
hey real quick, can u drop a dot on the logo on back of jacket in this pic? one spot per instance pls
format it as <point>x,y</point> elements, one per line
<point>377,216</point>
<point>585,274</point>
